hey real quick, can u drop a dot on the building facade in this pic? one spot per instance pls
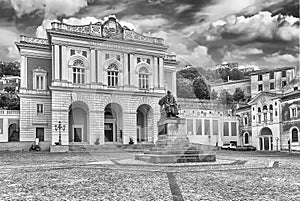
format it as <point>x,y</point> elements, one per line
<point>207,123</point>
<point>270,121</point>
<point>101,81</point>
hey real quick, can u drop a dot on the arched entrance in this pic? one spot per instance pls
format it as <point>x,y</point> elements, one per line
<point>144,120</point>
<point>246,138</point>
<point>13,133</point>
<point>78,122</point>
<point>113,123</point>
<point>266,139</point>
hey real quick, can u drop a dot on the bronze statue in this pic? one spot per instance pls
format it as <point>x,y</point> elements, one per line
<point>169,104</point>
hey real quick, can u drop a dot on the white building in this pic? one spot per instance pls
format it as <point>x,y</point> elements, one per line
<point>102,81</point>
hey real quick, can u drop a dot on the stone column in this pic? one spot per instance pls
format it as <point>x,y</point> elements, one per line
<point>56,63</point>
<point>100,60</point>
<point>174,88</point>
<point>129,126</point>
<point>93,67</point>
<point>155,73</point>
<point>161,73</point>
<point>125,70</point>
<point>132,70</point>
<point>23,72</point>
<point>96,124</point>
<point>64,63</point>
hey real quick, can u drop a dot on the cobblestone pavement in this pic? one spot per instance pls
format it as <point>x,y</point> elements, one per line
<point>116,176</point>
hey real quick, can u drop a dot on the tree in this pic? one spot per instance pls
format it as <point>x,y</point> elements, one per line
<point>236,74</point>
<point>200,88</point>
<point>9,101</point>
<point>238,95</point>
<point>184,87</point>
<point>189,73</point>
<point>225,97</point>
<point>10,68</point>
<point>213,95</point>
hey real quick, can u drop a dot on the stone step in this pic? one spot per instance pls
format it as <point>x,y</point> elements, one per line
<point>174,152</point>
<point>178,158</point>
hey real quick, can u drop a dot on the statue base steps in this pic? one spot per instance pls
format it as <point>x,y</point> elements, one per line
<point>173,145</point>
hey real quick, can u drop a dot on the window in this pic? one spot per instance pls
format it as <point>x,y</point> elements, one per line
<point>138,60</point>
<point>199,126</point>
<point>260,78</point>
<point>293,111</point>
<point>72,52</point>
<point>143,78</point>
<point>40,134</point>
<point>265,117</point>
<point>260,87</point>
<point>112,75</point>
<point>271,117</point>
<point>84,53</point>
<point>190,126</point>
<point>276,113</point>
<point>78,72</point>
<point>148,61</point>
<point>259,110</point>
<point>295,88</point>
<point>253,117</point>
<point>118,57</point>
<point>233,129</point>
<point>245,121</point>
<point>39,79</point>
<point>271,75</point>
<point>294,135</point>
<point>283,73</point>
<point>259,119</point>
<point>226,129</point>
<point>272,86</point>
<point>206,127</point>
<point>283,83</point>
<point>39,108</point>
<point>215,127</point>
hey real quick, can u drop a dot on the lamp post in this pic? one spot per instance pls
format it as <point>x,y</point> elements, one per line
<point>59,127</point>
<point>276,143</point>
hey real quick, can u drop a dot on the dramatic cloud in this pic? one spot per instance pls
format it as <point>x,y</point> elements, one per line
<point>260,26</point>
<point>240,54</point>
<point>8,51</point>
<point>145,23</point>
<point>188,51</point>
<point>278,58</point>
<point>49,8</point>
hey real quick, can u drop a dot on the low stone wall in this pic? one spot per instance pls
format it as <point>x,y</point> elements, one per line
<point>23,146</point>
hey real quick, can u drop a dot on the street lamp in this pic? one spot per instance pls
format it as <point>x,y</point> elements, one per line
<point>276,143</point>
<point>60,128</point>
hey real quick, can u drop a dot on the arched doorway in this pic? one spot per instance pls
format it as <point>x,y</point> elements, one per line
<point>13,133</point>
<point>144,120</point>
<point>266,139</point>
<point>246,138</point>
<point>113,123</point>
<point>78,122</point>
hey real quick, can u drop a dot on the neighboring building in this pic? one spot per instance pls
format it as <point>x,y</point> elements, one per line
<point>271,80</point>
<point>102,81</point>
<point>10,80</point>
<point>9,126</point>
<point>272,114</point>
<point>231,86</point>
<point>206,122</point>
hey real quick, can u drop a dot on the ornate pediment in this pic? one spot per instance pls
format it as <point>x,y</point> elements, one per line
<point>263,98</point>
<point>111,28</point>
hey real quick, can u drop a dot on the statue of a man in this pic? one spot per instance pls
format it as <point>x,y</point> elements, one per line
<point>169,104</point>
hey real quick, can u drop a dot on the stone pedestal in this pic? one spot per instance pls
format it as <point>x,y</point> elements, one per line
<point>173,145</point>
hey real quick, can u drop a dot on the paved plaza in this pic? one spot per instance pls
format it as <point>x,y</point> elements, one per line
<point>115,175</point>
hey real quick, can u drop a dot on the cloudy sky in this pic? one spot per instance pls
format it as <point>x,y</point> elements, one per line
<point>263,33</point>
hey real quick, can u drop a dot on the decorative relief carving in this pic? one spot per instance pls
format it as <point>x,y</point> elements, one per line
<point>131,35</point>
<point>33,40</point>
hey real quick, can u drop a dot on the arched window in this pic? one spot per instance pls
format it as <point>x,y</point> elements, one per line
<point>143,78</point>
<point>259,110</point>
<point>246,138</point>
<point>113,75</point>
<point>294,135</point>
<point>78,71</point>
<point>265,108</point>
<point>271,107</point>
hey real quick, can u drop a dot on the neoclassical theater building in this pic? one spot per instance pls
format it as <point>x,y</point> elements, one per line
<point>102,81</point>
